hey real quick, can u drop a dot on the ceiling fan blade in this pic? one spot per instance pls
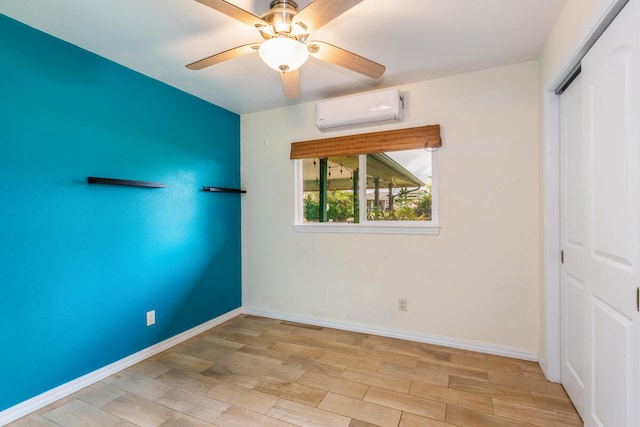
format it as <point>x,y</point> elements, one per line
<point>320,12</point>
<point>344,58</point>
<point>233,11</point>
<point>291,84</point>
<point>223,56</point>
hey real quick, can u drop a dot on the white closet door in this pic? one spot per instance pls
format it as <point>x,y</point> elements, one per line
<point>572,284</point>
<point>611,222</point>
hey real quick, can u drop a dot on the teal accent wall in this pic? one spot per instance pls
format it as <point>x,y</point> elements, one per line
<point>80,265</point>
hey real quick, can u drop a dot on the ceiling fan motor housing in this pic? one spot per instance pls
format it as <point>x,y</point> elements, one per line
<point>280,16</point>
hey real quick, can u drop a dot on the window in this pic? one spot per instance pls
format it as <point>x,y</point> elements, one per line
<point>388,192</point>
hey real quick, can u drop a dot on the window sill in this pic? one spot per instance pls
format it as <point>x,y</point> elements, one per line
<point>367,229</point>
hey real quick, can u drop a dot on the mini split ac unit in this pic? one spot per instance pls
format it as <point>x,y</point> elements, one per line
<point>360,110</point>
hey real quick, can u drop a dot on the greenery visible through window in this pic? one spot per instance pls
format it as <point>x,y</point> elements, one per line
<point>398,188</point>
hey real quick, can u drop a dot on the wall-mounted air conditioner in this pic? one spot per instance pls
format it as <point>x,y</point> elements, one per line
<point>360,110</point>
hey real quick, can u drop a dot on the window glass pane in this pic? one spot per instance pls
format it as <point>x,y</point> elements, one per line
<point>333,181</point>
<point>399,186</point>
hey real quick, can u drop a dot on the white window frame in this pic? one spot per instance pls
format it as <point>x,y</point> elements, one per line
<point>366,226</point>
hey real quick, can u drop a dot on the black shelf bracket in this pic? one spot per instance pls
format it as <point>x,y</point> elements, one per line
<point>222,190</point>
<point>126,182</point>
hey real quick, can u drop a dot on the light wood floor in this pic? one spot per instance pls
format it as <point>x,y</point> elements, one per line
<point>252,371</point>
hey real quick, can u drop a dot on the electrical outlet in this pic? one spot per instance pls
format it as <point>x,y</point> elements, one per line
<point>151,317</point>
<point>402,304</point>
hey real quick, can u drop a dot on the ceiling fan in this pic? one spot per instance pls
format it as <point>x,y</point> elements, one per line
<point>285,31</point>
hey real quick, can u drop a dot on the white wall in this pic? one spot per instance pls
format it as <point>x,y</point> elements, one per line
<point>477,281</point>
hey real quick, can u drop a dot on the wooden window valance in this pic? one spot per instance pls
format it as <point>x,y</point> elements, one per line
<point>367,143</point>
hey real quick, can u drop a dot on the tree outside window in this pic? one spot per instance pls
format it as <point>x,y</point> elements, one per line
<point>398,187</point>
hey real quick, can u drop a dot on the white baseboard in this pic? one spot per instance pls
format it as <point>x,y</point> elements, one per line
<point>481,347</point>
<point>48,397</point>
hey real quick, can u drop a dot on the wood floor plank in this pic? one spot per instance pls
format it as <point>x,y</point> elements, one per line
<point>99,394</point>
<point>299,350</point>
<point>56,404</point>
<point>314,342</point>
<point>312,365</point>
<point>186,362</point>
<point>282,333</point>
<point>484,388</point>
<point>221,339</point>
<point>530,384</point>
<point>437,377</point>
<point>34,420</point>
<point>192,347</point>
<point>243,397</point>
<point>451,369</point>
<point>360,410</point>
<point>265,354</point>
<point>147,387</point>
<point>388,382</point>
<point>377,342</point>
<point>332,335</point>
<point>79,413</point>
<point>534,416</point>
<point>231,328</point>
<point>360,423</point>
<point>195,405</point>
<point>178,419</point>
<point>291,391</point>
<point>553,403</point>
<point>232,372</point>
<point>222,342</point>
<point>189,381</point>
<point>341,386</point>
<point>302,325</point>
<point>216,353</point>
<point>463,399</point>
<point>150,368</point>
<point>331,345</point>
<point>386,356</point>
<point>498,364</point>
<point>421,350</point>
<point>138,410</point>
<point>302,415</point>
<point>467,418</point>
<point>242,417</point>
<point>261,341</point>
<point>351,361</point>
<point>415,405</point>
<point>242,370</point>
<point>412,420</point>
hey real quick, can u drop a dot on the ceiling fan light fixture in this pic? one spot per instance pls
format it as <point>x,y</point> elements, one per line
<point>283,53</point>
<point>283,27</point>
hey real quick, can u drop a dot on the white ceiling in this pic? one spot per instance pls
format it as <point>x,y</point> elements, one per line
<point>415,39</point>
